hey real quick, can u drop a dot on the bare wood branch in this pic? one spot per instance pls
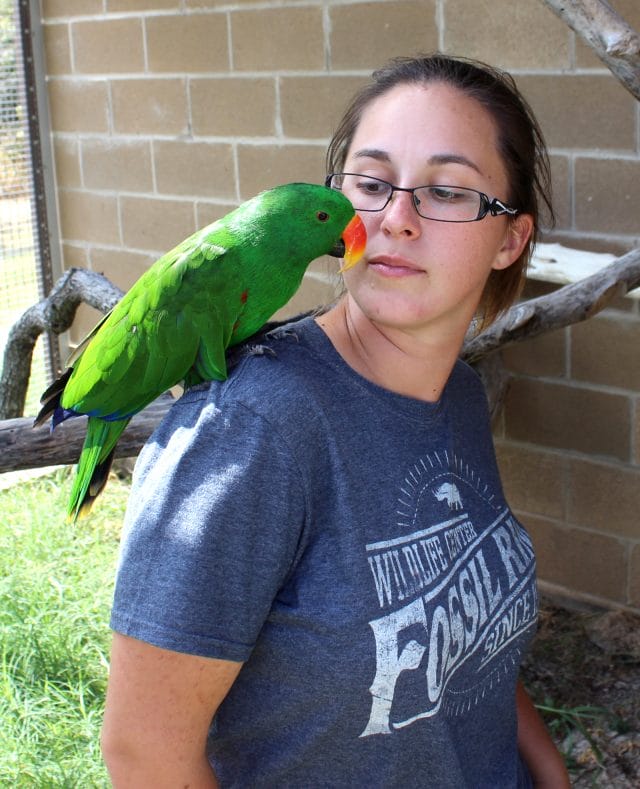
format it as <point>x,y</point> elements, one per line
<point>614,41</point>
<point>55,313</point>
<point>23,446</point>
<point>570,304</point>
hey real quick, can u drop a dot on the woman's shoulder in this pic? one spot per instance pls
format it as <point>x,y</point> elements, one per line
<point>276,374</point>
<point>466,378</point>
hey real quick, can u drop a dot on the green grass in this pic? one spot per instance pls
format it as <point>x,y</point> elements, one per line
<point>563,722</point>
<point>56,582</point>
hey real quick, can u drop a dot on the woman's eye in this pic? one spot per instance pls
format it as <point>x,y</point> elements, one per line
<point>370,187</point>
<point>440,193</point>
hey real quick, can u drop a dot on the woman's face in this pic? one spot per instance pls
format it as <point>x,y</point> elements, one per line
<point>418,272</point>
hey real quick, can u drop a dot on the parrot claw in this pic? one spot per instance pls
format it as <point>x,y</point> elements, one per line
<point>285,332</point>
<point>260,350</point>
<point>237,354</point>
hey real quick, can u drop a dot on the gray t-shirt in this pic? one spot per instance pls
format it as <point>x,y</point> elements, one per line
<point>354,547</point>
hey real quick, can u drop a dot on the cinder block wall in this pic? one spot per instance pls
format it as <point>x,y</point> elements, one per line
<point>167,113</point>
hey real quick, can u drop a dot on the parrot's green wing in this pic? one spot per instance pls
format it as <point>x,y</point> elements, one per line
<point>79,349</point>
<point>168,322</point>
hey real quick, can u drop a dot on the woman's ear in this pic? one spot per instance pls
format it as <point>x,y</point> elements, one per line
<point>518,233</point>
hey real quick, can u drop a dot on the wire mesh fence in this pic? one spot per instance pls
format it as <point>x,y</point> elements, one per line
<point>20,278</point>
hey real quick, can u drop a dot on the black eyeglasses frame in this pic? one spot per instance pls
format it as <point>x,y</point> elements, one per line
<point>488,205</point>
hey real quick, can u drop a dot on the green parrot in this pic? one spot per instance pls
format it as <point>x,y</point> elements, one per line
<point>214,290</point>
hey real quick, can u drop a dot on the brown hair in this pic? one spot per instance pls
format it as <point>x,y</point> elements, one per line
<point>520,144</point>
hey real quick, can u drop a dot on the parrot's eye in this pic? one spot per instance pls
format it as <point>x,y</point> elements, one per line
<point>322,216</point>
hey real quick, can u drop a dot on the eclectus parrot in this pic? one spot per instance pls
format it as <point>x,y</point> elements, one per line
<point>214,290</point>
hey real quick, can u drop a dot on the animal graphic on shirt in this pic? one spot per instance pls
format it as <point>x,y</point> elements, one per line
<point>456,596</point>
<point>449,493</point>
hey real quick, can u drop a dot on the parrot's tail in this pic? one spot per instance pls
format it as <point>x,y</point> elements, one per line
<point>94,464</point>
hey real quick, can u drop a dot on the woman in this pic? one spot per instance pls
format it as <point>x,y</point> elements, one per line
<point>318,555</point>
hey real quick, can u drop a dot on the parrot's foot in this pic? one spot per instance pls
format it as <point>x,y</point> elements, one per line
<point>260,350</point>
<point>285,333</point>
<point>236,354</point>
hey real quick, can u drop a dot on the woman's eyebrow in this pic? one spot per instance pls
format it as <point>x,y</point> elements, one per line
<point>372,153</point>
<point>453,158</point>
<point>436,159</point>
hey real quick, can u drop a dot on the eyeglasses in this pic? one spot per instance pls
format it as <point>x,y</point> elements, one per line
<point>438,202</point>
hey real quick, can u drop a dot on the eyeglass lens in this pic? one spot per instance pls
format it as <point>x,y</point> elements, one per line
<point>444,203</point>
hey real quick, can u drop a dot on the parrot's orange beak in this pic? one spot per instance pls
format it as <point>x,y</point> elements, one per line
<point>355,240</point>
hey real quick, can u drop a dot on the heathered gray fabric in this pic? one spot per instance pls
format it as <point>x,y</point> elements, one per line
<point>354,547</point>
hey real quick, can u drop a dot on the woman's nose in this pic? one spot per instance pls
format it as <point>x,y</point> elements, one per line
<point>400,217</point>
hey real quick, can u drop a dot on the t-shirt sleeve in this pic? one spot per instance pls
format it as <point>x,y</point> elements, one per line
<point>212,530</point>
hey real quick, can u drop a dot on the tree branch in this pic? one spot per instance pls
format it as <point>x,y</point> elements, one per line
<point>23,446</point>
<point>570,304</point>
<point>614,41</point>
<point>55,313</point>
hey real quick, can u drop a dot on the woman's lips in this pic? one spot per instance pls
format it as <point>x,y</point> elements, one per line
<point>394,266</point>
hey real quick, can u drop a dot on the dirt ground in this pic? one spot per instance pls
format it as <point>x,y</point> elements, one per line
<point>584,671</point>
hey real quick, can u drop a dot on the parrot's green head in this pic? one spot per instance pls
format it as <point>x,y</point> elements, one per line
<point>299,222</point>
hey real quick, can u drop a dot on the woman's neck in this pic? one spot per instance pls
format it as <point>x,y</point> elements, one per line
<point>415,364</point>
